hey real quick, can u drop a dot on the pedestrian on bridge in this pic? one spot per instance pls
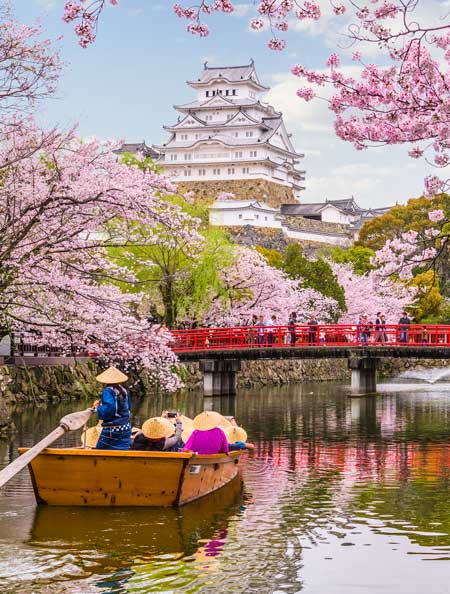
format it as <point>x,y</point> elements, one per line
<point>313,327</point>
<point>403,327</point>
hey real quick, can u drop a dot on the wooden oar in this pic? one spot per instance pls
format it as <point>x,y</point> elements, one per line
<point>70,422</point>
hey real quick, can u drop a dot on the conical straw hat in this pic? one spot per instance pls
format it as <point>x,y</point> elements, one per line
<point>157,428</point>
<point>111,376</point>
<point>207,420</point>
<point>236,434</point>
<point>89,438</point>
<point>187,432</point>
<point>224,423</point>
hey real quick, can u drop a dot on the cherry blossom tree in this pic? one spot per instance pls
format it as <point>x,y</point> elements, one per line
<point>60,209</point>
<point>29,67</point>
<point>252,287</point>
<point>370,293</point>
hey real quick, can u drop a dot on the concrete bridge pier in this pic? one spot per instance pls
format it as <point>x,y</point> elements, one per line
<point>364,375</point>
<point>219,376</point>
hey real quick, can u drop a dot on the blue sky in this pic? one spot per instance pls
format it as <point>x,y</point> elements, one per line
<point>124,86</point>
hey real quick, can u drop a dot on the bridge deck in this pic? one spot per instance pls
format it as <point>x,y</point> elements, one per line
<point>318,352</point>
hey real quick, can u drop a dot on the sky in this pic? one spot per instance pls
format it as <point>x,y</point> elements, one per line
<point>125,85</point>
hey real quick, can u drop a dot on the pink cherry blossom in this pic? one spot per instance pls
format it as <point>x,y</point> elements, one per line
<point>436,215</point>
<point>252,287</point>
<point>384,295</point>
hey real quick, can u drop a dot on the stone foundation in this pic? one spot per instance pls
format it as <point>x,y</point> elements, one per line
<point>393,367</point>
<point>304,224</point>
<point>244,189</point>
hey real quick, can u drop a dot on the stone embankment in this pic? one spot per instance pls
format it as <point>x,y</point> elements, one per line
<point>277,373</point>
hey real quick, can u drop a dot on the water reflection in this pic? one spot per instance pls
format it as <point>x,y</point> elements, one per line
<point>340,494</point>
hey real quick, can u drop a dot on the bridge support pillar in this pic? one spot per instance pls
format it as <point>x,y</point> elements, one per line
<point>364,375</point>
<point>219,377</point>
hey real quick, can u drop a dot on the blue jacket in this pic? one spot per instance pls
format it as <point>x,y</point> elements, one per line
<point>114,409</point>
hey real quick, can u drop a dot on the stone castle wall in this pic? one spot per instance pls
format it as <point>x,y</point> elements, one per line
<point>244,189</point>
<point>304,224</point>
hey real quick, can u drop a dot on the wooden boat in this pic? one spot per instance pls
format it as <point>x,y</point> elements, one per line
<point>135,532</point>
<point>75,476</point>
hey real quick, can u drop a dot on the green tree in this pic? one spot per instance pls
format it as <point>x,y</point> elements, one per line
<point>356,255</point>
<point>316,274</point>
<point>429,300</point>
<point>273,257</point>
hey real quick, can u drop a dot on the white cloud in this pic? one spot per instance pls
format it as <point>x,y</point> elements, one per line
<point>241,10</point>
<point>134,12</point>
<point>46,4</point>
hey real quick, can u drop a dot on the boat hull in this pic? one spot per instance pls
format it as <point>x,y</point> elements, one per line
<point>71,476</point>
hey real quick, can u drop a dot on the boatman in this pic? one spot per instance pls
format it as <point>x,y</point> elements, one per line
<point>114,410</point>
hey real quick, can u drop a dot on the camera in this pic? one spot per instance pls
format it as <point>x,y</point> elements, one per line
<point>172,415</point>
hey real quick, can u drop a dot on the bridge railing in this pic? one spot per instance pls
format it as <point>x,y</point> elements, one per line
<point>303,335</point>
<point>29,344</point>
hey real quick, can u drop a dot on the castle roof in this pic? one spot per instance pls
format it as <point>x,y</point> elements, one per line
<point>227,103</point>
<point>137,147</point>
<point>242,204</point>
<point>232,74</point>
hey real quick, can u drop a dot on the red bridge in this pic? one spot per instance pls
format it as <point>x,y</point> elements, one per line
<point>303,336</point>
<point>221,350</point>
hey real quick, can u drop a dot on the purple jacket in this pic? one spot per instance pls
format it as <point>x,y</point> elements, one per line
<point>208,442</point>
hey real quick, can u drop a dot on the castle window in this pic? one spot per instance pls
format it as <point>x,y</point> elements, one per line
<point>187,157</point>
<point>183,136</point>
<point>173,157</point>
<point>227,92</point>
<point>230,170</point>
<point>245,170</point>
<point>240,216</point>
<point>234,91</point>
<point>253,153</point>
<point>216,171</point>
<point>249,134</point>
<point>197,136</point>
<point>187,173</point>
<point>265,218</point>
<point>236,134</point>
<point>207,93</point>
<point>256,217</point>
<point>238,155</point>
<point>202,171</point>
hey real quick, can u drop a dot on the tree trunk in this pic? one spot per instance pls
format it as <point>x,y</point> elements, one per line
<point>170,304</point>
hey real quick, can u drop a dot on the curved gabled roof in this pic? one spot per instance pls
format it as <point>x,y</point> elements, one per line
<point>230,74</point>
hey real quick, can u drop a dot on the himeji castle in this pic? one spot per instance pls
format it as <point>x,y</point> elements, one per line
<point>228,139</point>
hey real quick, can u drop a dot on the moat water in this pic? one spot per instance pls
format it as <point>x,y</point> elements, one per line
<point>340,495</point>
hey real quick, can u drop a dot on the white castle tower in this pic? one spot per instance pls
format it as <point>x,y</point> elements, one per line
<point>228,139</point>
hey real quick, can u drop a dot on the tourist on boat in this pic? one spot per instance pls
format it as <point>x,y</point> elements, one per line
<point>186,422</point>
<point>113,409</point>
<point>207,437</point>
<point>237,439</point>
<point>159,435</point>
